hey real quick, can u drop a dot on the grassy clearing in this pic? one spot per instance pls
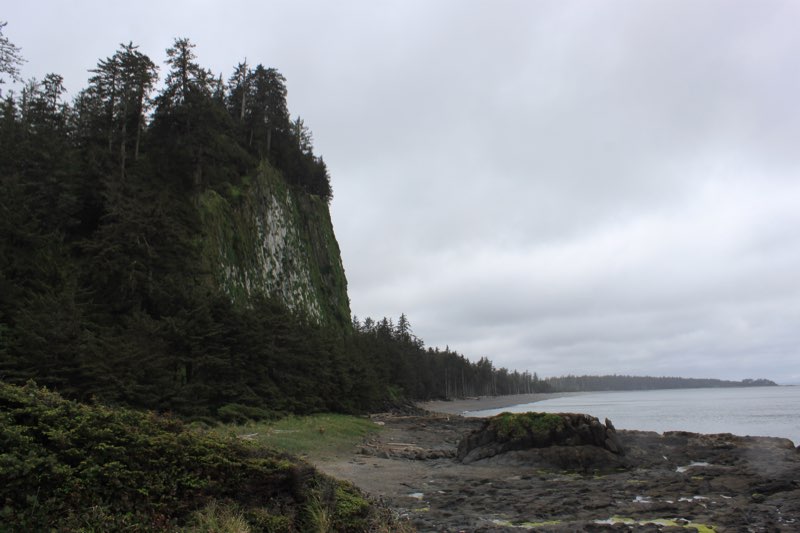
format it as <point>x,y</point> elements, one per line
<point>314,436</point>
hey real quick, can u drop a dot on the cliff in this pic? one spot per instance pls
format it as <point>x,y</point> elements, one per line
<point>266,238</point>
<point>188,267</point>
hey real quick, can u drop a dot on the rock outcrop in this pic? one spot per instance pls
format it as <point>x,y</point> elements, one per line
<point>677,481</point>
<point>574,441</point>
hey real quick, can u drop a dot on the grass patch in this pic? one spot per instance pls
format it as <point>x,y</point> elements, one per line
<point>314,436</point>
<point>218,518</point>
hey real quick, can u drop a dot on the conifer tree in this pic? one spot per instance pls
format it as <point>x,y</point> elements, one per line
<point>120,87</point>
<point>10,57</point>
<point>267,115</point>
<point>238,87</point>
<point>186,78</point>
<point>182,119</point>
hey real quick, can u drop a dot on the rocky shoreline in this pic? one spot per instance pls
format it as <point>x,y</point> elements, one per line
<point>676,481</point>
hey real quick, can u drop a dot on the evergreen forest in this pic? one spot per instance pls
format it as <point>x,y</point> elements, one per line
<point>104,293</point>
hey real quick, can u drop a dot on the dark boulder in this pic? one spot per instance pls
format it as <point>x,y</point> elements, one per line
<point>553,438</point>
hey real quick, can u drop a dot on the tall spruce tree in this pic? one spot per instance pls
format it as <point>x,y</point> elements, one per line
<point>10,57</point>
<point>267,115</point>
<point>238,87</point>
<point>121,87</point>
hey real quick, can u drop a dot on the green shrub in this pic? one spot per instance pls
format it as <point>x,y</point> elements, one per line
<point>351,509</point>
<point>237,413</point>
<point>68,466</point>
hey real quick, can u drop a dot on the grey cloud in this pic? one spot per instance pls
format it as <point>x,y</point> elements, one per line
<point>560,186</point>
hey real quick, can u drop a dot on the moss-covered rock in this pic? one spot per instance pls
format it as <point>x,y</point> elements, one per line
<point>540,426</point>
<point>509,432</point>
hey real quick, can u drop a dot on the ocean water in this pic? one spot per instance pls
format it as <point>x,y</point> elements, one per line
<point>756,411</point>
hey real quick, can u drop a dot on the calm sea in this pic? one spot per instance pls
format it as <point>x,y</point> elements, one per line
<point>762,411</point>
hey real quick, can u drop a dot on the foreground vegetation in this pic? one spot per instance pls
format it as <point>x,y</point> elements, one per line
<point>74,467</point>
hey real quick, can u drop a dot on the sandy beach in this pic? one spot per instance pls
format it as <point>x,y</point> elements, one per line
<point>481,403</point>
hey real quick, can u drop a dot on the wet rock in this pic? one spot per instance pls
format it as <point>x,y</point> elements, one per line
<point>517,432</point>
<point>731,482</point>
<point>612,445</point>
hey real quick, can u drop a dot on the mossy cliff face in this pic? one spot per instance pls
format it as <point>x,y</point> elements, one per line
<point>264,238</point>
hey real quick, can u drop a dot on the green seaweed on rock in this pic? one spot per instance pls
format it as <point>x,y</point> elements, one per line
<point>512,426</point>
<point>667,522</point>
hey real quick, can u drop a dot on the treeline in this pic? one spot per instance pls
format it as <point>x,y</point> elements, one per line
<point>428,373</point>
<point>625,383</point>
<point>198,132</point>
<point>103,290</point>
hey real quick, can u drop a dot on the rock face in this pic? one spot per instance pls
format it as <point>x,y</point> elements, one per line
<point>266,239</point>
<point>575,441</point>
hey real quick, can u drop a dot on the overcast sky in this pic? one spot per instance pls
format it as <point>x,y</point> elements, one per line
<point>561,186</point>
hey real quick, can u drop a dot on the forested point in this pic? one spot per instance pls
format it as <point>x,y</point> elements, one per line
<point>103,290</point>
<point>625,383</point>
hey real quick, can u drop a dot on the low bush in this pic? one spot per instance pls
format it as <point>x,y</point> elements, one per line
<point>75,467</point>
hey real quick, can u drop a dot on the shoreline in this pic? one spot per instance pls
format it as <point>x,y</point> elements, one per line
<point>461,406</point>
<point>714,482</point>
